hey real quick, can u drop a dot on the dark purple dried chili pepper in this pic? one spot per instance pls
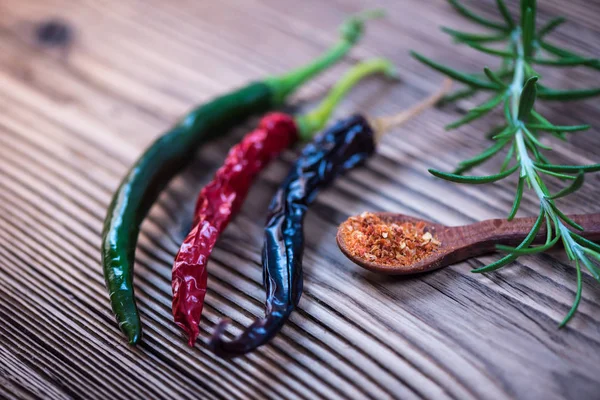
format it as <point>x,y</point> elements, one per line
<point>344,146</point>
<point>221,198</point>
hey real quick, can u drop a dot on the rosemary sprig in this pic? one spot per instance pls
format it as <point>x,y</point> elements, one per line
<point>515,87</point>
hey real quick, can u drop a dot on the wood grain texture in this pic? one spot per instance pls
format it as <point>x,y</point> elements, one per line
<point>73,120</point>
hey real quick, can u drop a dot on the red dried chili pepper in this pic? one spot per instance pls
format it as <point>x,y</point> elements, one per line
<point>223,196</point>
<point>217,203</point>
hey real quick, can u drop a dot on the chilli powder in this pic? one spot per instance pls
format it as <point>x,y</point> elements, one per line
<point>374,239</point>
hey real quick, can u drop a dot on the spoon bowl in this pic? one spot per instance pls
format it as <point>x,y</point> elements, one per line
<point>458,243</point>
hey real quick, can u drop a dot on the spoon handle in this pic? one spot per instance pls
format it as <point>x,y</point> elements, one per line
<point>486,234</point>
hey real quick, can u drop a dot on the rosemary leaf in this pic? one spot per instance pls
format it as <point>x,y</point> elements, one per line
<point>477,112</point>
<point>550,48</point>
<point>528,250</point>
<point>527,4</point>
<point>506,133</point>
<point>505,14</point>
<point>589,265</point>
<point>480,158</point>
<point>457,75</point>
<point>538,155</point>
<point>495,131</point>
<point>573,187</point>
<point>508,157</point>
<point>564,95</point>
<point>541,118</point>
<point>496,264</point>
<point>518,198</point>
<point>524,244</point>
<point>550,26</point>
<point>475,180</point>
<point>490,104</point>
<point>493,77</point>
<point>577,297</point>
<point>474,37</point>
<point>528,96</point>
<point>555,174</point>
<point>487,50</point>
<point>569,168</point>
<point>568,249</point>
<point>457,95</point>
<point>558,128</point>
<point>476,18</point>
<point>564,217</point>
<point>566,62</point>
<point>528,31</point>
<point>548,228</point>
<point>535,140</point>
<point>585,242</point>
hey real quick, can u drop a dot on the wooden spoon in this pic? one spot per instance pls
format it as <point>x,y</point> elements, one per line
<point>461,242</point>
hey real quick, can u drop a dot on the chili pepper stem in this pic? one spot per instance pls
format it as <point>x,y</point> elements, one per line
<point>314,121</point>
<point>382,125</point>
<point>351,31</point>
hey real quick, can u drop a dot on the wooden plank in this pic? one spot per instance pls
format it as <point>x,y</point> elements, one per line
<point>71,123</point>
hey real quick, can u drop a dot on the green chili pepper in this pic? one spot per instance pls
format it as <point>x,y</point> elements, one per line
<point>170,152</point>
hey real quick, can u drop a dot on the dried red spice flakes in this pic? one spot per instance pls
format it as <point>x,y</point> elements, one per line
<point>374,239</point>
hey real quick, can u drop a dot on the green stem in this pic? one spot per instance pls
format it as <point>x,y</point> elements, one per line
<point>516,88</point>
<point>315,120</point>
<point>351,31</point>
<point>527,165</point>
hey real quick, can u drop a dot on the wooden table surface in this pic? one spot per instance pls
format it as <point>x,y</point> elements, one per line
<point>72,121</point>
